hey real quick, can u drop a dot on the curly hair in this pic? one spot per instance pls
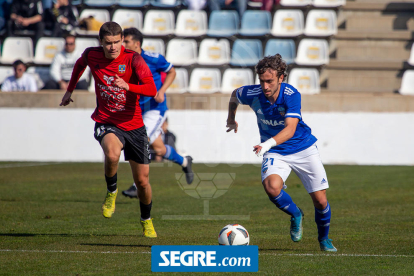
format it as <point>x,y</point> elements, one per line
<point>272,62</point>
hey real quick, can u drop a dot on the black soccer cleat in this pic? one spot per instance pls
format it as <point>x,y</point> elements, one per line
<point>189,175</point>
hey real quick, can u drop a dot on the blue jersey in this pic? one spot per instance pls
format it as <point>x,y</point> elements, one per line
<point>157,64</point>
<point>271,117</point>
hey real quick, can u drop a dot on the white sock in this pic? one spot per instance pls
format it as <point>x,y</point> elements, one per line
<point>145,219</point>
<point>185,162</point>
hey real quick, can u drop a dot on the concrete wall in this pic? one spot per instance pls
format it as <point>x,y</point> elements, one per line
<point>344,138</point>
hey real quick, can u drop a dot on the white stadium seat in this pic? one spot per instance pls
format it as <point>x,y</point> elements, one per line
<point>182,52</point>
<point>295,3</point>
<point>288,23</point>
<point>191,23</point>
<point>407,83</point>
<point>41,74</point>
<point>205,80</point>
<point>312,52</point>
<point>83,43</point>
<point>17,48</point>
<point>154,45</point>
<point>214,52</point>
<point>5,72</point>
<point>101,16</point>
<point>180,83</point>
<point>321,23</point>
<point>328,3</point>
<point>159,22</point>
<point>305,80</point>
<point>128,18</point>
<point>235,78</point>
<point>411,59</point>
<point>47,48</point>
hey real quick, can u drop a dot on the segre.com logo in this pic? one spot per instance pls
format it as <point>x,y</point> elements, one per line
<point>203,258</point>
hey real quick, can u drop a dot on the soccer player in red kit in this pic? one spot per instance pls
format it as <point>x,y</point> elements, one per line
<point>121,77</point>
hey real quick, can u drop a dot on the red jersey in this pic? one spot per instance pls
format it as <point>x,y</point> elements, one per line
<point>115,105</point>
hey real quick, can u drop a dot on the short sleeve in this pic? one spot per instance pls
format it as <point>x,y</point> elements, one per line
<point>163,65</point>
<point>293,103</point>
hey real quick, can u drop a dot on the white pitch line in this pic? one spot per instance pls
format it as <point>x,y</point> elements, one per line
<point>26,165</point>
<point>63,251</point>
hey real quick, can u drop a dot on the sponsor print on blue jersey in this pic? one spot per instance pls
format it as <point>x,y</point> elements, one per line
<point>157,64</point>
<point>271,117</point>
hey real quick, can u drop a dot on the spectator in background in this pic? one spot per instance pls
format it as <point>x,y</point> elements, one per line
<point>240,5</point>
<point>26,15</point>
<point>20,81</point>
<point>62,67</point>
<point>60,19</point>
<point>267,5</point>
<point>47,4</point>
<point>4,12</point>
<point>196,5</point>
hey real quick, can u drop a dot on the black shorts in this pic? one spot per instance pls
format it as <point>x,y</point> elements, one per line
<point>135,142</point>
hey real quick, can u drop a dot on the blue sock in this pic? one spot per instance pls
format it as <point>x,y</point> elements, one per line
<point>284,202</point>
<point>323,220</point>
<point>172,155</point>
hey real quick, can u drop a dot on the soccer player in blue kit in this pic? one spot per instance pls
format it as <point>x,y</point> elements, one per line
<point>154,110</point>
<point>286,144</point>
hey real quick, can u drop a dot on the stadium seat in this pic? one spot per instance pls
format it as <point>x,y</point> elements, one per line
<point>101,16</point>
<point>154,45</point>
<point>128,18</point>
<point>99,3</point>
<point>255,23</point>
<point>91,87</point>
<point>133,3</point>
<point>295,3</point>
<point>235,78</point>
<point>47,48</point>
<point>407,83</point>
<point>321,23</point>
<point>5,72</point>
<point>17,48</point>
<point>191,23</point>
<point>312,52</point>
<point>159,22</point>
<point>83,43</point>
<point>285,47</point>
<point>246,52</point>
<point>328,3</point>
<point>205,80</point>
<point>223,23</point>
<point>305,80</point>
<point>214,52</point>
<point>182,52</point>
<point>411,59</point>
<point>165,3</point>
<point>288,23</point>
<point>41,74</point>
<point>180,83</point>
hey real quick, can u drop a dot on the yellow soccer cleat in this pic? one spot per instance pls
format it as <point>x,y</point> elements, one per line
<point>148,229</point>
<point>108,207</point>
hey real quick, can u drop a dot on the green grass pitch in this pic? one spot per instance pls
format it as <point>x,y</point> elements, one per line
<point>51,221</point>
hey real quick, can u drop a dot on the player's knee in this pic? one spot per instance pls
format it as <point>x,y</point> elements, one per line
<point>142,182</point>
<point>320,203</point>
<point>272,188</point>
<point>112,156</point>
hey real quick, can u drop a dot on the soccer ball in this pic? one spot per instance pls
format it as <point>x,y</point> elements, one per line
<point>233,234</point>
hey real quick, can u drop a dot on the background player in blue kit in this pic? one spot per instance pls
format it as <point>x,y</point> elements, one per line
<point>286,144</point>
<point>154,110</point>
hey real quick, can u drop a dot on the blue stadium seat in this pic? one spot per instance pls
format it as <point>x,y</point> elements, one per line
<point>285,47</point>
<point>165,3</point>
<point>99,3</point>
<point>246,52</point>
<point>133,3</point>
<point>223,23</point>
<point>255,23</point>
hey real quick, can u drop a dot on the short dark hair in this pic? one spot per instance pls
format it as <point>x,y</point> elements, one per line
<point>135,34</point>
<point>110,29</point>
<point>272,62</point>
<point>18,62</point>
<point>69,35</point>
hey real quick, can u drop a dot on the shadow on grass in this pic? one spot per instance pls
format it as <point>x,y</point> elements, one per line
<point>62,235</point>
<point>116,245</point>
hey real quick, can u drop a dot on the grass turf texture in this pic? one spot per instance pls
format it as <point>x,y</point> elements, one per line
<point>52,223</point>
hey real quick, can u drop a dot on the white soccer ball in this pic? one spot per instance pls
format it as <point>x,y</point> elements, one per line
<point>234,234</point>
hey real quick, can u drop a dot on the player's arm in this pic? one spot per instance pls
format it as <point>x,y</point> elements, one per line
<point>159,98</point>
<point>281,137</point>
<point>231,117</point>
<point>78,70</point>
<point>147,86</point>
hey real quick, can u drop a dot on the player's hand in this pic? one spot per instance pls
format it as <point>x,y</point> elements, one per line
<point>66,99</point>
<point>264,147</point>
<point>232,125</point>
<point>160,97</point>
<point>119,82</point>
<point>257,149</point>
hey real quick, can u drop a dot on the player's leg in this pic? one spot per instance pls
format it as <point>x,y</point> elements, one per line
<point>311,171</point>
<point>274,174</point>
<point>110,139</point>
